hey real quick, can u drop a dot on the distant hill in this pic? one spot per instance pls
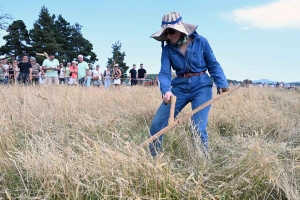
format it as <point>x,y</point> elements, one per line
<point>264,81</point>
<point>273,82</point>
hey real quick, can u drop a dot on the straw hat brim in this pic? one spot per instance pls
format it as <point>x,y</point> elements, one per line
<point>185,28</point>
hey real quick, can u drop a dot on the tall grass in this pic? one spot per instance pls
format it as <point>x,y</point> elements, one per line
<point>77,143</point>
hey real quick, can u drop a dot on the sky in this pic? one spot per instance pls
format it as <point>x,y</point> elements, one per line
<point>257,39</point>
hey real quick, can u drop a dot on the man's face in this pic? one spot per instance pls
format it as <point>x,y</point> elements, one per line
<point>133,66</point>
<point>80,59</point>
<point>51,57</point>
<point>68,64</point>
<point>141,66</point>
<point>4,61</point>
<point>25,58</point>
<point>32,61</point>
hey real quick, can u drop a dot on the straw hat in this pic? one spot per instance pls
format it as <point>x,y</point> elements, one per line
<point>173,20</point>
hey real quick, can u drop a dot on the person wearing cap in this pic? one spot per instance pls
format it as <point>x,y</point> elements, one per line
<point>25,73</point>
<point>117,76</point>
<point>191,56</point>
<point>97,76</point>
<point>51,67</point>
<point>73,73</point>
<point>83,70</point>
<point>36,68</point>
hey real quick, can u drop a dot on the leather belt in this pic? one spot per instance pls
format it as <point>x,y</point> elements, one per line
<point>186,75</point>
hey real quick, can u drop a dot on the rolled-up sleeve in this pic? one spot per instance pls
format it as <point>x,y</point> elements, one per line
<point>214,67</point>
<point>164,75</point>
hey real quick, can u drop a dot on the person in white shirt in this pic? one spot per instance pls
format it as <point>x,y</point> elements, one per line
<point>97,76</point>
<point>61,73</point>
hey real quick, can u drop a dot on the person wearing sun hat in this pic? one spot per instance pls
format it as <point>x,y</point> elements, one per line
<point>191,57</point>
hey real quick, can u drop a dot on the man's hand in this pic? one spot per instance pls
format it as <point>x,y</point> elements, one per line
<point>220,91</point>
<point>167,97</point>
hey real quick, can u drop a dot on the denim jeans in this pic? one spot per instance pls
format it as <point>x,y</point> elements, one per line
<point>106,83</point>
<point>197,90</point>
<point>82,82</point>
<point>23,77</point>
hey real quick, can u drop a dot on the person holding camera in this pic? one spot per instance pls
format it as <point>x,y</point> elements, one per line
<point>51,67</point>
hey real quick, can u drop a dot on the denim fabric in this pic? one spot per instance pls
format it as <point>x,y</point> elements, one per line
<point>82,81</point>
<point>198,57</point>
<point>23,77</point>
<point>106,83</point>
<point>195,89</point>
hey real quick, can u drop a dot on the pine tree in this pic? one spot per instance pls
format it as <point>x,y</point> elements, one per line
<point>118,57</point>
<point>80,45</point>
<point>63,36</point>
<point>17,39</point>
<point>43,34</point>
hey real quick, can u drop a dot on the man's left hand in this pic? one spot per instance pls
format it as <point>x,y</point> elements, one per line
<point>220,91</point>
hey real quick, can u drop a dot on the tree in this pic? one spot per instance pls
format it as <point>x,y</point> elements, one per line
<point>118,57</point>
<point>17,39</point>
<point>43,35</point>
<point>3,23</point>
<point>80,45</point>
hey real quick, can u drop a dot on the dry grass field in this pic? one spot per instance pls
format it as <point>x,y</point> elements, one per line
<point>76,143</point>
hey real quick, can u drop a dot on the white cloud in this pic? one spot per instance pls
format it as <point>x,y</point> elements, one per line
<point>276,15</point>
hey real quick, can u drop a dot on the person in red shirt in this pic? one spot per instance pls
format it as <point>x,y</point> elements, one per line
<point>73,73</point>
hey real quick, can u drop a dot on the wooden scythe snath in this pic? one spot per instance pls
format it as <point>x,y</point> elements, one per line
<point>180,120</point>
<point>43,54</point>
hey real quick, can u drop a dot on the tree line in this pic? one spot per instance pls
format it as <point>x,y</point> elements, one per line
<point>51,33</point>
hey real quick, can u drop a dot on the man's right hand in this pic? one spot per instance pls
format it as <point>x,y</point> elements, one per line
<point>167,97</point>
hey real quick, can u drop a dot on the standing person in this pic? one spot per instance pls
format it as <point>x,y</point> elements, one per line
<point>36,68</point>
<point>133,75</point>
<point>83,70</point>
<point>11,73</point>
<point>142,74</point>
<point>5,67</point>
<point>50,66</point>
<point>117,76</point>
<point>107,77</point>
<point>89,75</point>
<point>67,72</point>
<point>61,73</point>
<point>73,74</point>
<point>97,76</point>
<point>2,72</point>
<point>25,74</point>
<point>190,55</point>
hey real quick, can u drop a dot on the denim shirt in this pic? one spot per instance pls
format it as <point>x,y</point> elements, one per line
<point>198,57</point>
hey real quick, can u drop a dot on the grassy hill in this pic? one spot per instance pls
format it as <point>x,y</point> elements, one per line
<point>76,143</point>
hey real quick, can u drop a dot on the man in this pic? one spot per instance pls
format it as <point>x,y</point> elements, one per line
<point>133,75</point>
<point>142,74</point>
<point>83,70</point>
<point>51,67</point>
<point>36,68</point>
<point>25,74</point>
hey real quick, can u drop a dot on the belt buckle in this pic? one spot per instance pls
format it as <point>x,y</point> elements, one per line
<point>186,75</point>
